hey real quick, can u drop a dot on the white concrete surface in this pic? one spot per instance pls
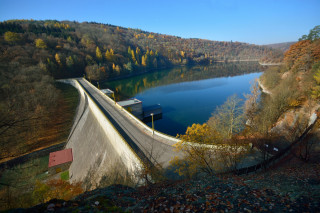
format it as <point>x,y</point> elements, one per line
<point>96,145</point>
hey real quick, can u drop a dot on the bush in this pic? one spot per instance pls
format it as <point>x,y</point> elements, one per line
<point>271,77</point>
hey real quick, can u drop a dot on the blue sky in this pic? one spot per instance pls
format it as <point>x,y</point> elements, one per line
<point>251,21</point>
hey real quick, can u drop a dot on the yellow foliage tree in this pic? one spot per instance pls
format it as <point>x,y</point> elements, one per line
<point>117,68</point>
<point>11,36</point>
<point>144,60</point>
<point>57,57</point>
<point>40,43</point>
<point>138,51</point>
<point>69,61</point>
<point>98,54</point>
<point>199,155</point>
<point>132,55</point>
<point>109,55</point>
<point>213,146</point>
<point>315,91</point>
<point>317,76</point>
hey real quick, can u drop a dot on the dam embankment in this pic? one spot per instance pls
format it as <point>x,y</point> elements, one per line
<point>97,146</point>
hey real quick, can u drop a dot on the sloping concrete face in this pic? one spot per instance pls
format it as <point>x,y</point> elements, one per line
<point>98,149</point>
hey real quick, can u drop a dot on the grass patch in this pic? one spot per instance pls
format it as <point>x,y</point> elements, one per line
<point>65,175</point>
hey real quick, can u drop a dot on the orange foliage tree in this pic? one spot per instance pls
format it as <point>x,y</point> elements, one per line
<point>298,51</point>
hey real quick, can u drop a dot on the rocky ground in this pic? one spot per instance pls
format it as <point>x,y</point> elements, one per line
<point>291,188</point>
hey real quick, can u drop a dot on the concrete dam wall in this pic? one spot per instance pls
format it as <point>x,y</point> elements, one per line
<point>97,146</point>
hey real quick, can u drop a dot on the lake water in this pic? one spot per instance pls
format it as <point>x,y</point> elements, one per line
<point>187,94</point>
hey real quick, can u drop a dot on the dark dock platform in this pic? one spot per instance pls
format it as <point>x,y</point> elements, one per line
<point>156,110</point>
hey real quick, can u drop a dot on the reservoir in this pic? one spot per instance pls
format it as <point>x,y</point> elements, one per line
<point>187,94</point>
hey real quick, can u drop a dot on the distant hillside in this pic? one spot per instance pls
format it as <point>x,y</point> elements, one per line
<point>70,49</point>
<point>281,46</point>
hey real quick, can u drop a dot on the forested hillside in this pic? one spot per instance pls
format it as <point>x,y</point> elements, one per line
<point>281,46</point>
<point>34,53</point>
<point>70,49</point>
<point>279,118</point>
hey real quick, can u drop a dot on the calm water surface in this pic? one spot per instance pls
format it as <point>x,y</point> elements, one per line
<point>189,94</point>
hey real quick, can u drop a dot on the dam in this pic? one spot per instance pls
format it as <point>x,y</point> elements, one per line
<point>105,135</point>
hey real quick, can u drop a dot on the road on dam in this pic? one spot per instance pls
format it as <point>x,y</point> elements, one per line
<point>150,147</point>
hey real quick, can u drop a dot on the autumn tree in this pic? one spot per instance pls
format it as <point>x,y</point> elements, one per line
<point>94,72</point>
<point>182,53</point>
<point>138,54</point>
<point>200,156</point>
<point>214,146</point>
<point>302,55</point>
<point>144,60</point>
<point>251,105</point>
<point>228,119</point>
<point>90,60</point>
<point>133,56</point>
<point>128,66</point>
<point>58,59</point>
<point>109,55</point>
<point>11,37</point>
<point>69,61</point>
<point>40,43</point>
<point>315,92</point>
<point>28,96</point>
<point>98,54</point>
<point>117,68</point>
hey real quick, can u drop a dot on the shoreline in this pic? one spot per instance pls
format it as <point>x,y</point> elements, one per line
<point>264,90</point>
<point>235,60</point>
<point>270,64</point>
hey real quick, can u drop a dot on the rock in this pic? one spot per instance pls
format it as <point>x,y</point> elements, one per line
<point>50,207</point>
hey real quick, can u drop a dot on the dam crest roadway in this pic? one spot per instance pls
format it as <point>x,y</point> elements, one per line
<point>104,134</point>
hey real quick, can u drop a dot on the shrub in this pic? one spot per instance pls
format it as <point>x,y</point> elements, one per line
<point>271,77</point>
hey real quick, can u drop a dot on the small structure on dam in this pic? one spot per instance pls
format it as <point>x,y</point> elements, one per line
<point>60,161</point>
<point>108,92</point>
<point>134,106</point>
